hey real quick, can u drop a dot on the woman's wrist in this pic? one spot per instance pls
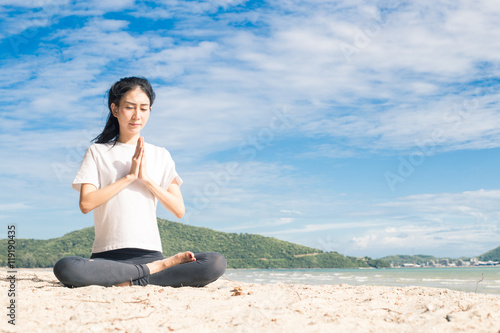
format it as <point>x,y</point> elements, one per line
<point>146,181</point>
<point>130,177</point>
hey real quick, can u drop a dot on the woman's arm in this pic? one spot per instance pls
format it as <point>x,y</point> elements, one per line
<point>171,198</point>
<point>91,197</point>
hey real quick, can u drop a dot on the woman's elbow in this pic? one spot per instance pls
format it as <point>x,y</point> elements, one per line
<point>84,208</point>
<point>180,212</point>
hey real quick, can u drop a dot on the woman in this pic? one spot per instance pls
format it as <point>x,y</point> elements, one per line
<point>121,179</point>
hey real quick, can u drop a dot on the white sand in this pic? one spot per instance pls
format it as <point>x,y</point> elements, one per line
<point>44,305</point>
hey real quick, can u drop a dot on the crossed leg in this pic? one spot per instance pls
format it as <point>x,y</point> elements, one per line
<point>160,265</point>
<point>80,272</point>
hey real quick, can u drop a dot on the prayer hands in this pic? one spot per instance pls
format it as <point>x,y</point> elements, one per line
<point>138,168</point>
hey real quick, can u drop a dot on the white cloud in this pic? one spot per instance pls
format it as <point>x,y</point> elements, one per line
<point>446,240</point>
<point>325,226</point>
<point>193,9</point>
<point>24,18</point>
<point>292,212</point>
<point>480,205</point>
<point>264,224</point>
<point>109,5</point>
<point>443,224</point>
<point>450,223</point>
<point>218,85</point>
<point>410,63</point>
<point>305,57</point>
<point>13,206</point>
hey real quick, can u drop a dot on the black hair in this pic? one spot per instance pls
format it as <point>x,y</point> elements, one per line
<point>116,92</point>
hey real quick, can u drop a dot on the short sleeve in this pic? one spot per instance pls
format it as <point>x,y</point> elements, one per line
<point>88,172</point>
<point>169,173</point>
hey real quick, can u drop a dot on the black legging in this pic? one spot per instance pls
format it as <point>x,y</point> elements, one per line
<point>117,266</point>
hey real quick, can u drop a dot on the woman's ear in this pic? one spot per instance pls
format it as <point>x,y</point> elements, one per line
<point>114,109</point>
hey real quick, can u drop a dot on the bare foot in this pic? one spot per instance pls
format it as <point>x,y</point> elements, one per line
<point>179,258</point>
<point>160,265</point>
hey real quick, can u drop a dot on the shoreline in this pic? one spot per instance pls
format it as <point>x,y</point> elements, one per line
<point>317,268</point>
<point>45,305</point>
<point>481,280</point>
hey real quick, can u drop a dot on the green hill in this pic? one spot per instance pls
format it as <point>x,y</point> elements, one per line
<point>398,260</point>
<point>493,255</point>
<point>421,259</point>
<point>240,250</point>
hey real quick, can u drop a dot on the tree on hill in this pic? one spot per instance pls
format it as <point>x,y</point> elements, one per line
<point>398,260</point>
<point>493,255</point>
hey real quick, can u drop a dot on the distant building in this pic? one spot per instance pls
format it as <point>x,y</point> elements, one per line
<point>411,265</point>
<point>487,263</point>
<point>445,262</point>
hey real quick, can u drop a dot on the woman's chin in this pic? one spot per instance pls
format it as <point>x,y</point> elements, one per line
<point>133,130</point>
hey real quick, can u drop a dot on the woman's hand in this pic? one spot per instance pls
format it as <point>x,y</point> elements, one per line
<point>143,174</point>
<point>138,167</point>
<point>136,161</point>
<point>91,197</point>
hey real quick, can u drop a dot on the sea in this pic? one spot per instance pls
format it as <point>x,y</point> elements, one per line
<point>468,279</point>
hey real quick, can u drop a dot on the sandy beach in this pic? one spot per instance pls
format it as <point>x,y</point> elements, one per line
<point>44,305</point>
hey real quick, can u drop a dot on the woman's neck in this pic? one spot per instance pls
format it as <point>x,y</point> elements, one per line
<point>132,140</point>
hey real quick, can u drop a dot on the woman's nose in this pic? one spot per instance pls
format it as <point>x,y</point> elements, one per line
<point>137,113</point>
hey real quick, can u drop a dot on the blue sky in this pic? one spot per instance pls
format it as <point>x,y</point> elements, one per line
<point>363,127</point>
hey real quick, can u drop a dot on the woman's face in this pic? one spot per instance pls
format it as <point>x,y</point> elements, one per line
<point>132,113</point>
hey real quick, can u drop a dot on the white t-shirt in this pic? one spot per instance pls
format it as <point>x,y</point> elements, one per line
<point>129,218</point>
